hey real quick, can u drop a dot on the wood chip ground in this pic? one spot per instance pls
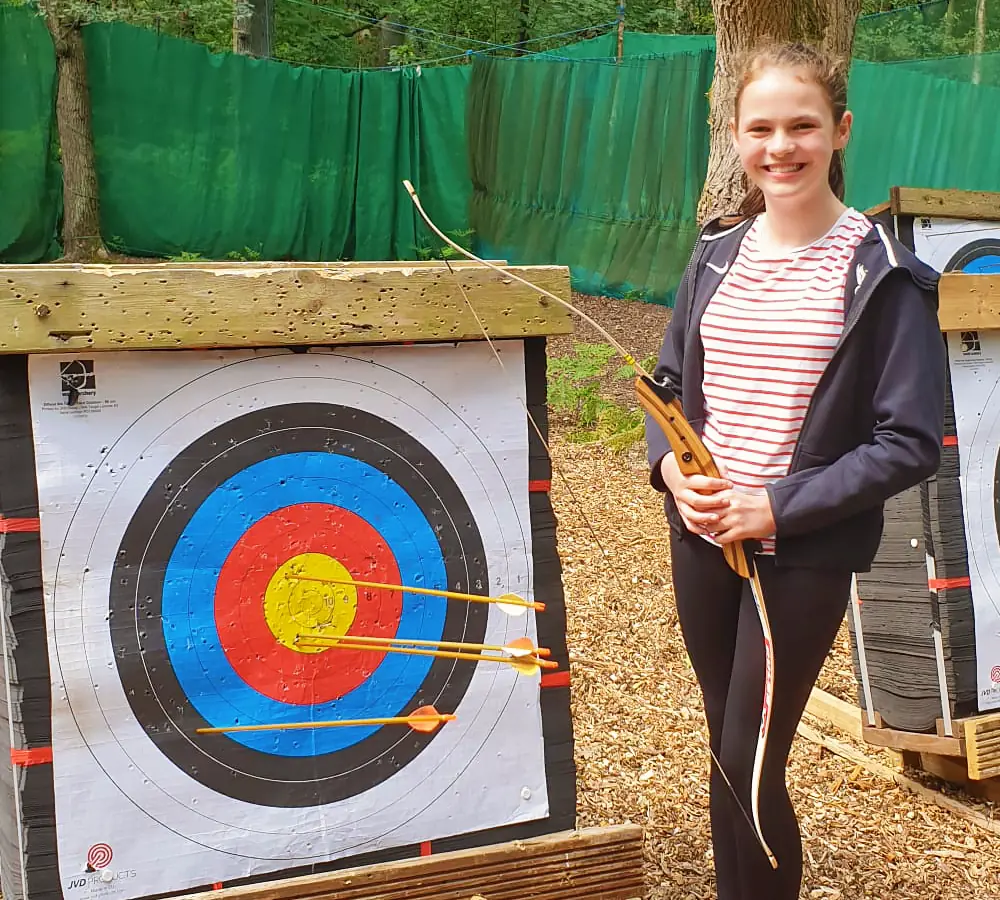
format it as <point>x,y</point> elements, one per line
<point>638,719</point>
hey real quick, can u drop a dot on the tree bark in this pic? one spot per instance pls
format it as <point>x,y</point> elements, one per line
<point>524,17</point>
<point>262,29</point>
<point>739,26</point>
<point>980,41</point>
<point>242,11</point>
<point>389,36</point>
<point>253,28</point>
<point>185,26</point>
<point>81,206</point>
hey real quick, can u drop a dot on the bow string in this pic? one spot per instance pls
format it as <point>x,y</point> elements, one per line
<point>663,406</point>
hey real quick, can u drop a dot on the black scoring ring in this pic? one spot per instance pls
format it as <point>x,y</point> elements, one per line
<point>151,686</point>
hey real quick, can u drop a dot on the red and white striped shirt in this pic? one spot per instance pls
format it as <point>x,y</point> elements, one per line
<point>769,332</point>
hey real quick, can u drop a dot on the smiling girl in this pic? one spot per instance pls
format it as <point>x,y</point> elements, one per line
<point>805,348</point>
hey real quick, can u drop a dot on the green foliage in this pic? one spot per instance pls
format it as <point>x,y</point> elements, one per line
<point>647,365</point>
<point>347,34</point>
<point>936,29</point>
<point>462,237</point>
<point>574,388</point>
<point>617,428</point>
<point>244,255</point>
<point>574,381</point>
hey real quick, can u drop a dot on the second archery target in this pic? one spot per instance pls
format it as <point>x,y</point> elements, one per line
<point>958,245</point>
<point>202,512</point>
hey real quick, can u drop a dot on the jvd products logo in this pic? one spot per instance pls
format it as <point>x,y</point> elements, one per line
<point>99,857</point>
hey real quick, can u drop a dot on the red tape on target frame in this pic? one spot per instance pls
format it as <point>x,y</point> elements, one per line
<point>34,756</point>
<point>555,679</point>
<point>19,526</point>
<point>941,584</point>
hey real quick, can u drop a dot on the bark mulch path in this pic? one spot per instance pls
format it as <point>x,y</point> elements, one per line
<point>639,724</point>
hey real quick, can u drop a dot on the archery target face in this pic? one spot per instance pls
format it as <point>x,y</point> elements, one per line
<point>973,247</point>
<point>194,509</point>
<point>958,245</point>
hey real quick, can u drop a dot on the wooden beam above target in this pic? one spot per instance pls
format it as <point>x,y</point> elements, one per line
<point>64,308</point>
<point>945,203</point>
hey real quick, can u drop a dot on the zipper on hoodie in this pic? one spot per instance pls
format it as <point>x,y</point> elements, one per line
<point>844,334</point>
<point>693,260</point>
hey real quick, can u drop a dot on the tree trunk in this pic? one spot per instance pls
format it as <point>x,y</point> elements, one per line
<point>262,29</point>
<point>524,17</point>
<point>739,25</point>
<point>253,27</point>
<point>389,36</point>
<point>242,11</point>
<point>81,207</point>
<point>185,26</point>
<point>980,41</point>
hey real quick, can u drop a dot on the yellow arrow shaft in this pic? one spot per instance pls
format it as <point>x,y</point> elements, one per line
<point>283,726</point>
<point>439,654</point>
<point>328,640</point>
<point>433,592</point>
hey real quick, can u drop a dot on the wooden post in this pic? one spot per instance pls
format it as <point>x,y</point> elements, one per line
<point>242,10</point>
<point>621,28</point>
<point>980,40</point>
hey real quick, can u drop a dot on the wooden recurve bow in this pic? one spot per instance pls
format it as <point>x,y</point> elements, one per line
<point>693,458</point>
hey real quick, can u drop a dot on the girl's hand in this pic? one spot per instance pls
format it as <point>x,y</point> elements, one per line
<point>747,516</point>
<point>701,501</point>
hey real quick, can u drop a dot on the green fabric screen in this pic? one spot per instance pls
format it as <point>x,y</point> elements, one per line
<point>30,176</point>
<point>564,158</point>
<point>217,154</point>
<point>611,186</point>
<point>982,66</point>
<point>912,129</point>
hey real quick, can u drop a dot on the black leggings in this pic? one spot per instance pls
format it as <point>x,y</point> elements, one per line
<point>724,640</point>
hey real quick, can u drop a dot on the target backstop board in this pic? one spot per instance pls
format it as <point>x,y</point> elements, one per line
<point>217,462</point>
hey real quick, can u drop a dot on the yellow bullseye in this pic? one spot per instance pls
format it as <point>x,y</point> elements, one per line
<point>293,607</point>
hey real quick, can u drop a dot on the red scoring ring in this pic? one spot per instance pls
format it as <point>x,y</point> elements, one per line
<point>250,646</point>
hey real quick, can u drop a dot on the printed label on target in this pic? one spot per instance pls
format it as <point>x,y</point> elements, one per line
<point>975,379</point>
<point>221,508</point>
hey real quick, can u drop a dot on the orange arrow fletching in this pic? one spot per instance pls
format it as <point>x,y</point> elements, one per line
<point>426,719</point>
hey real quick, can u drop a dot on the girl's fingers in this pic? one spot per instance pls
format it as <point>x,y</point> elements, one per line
<point>701,519</point>
<point>704,483</point>
<point>704,502</point>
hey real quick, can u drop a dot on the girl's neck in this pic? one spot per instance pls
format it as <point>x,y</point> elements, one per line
<point>788,227</point>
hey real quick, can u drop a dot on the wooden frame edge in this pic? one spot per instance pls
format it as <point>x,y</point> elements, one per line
<point>944,203</point>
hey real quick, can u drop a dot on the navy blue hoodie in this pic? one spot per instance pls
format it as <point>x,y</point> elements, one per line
<point>875,423</point>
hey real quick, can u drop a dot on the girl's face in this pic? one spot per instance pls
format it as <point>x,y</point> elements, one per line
<point>785,135</point>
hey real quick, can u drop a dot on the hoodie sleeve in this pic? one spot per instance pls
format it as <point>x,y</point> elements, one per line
<point>668,370</point>
<point>909,423</point>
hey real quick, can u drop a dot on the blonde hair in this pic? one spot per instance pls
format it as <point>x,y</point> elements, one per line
<point>829,72</point>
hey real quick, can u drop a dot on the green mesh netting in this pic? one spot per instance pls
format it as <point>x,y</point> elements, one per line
<point>30,177</point>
